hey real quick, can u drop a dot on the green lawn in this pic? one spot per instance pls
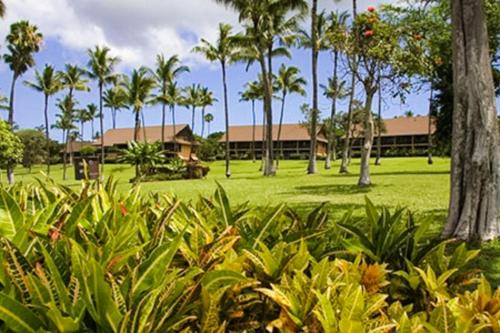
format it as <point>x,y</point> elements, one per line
<point>407,182</point>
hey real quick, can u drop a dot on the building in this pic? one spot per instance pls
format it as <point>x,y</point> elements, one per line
<point>409,135</point>
<point>294,141</point>
<point>179,142</point>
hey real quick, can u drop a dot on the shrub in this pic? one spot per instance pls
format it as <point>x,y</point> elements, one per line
<point>98,260</point>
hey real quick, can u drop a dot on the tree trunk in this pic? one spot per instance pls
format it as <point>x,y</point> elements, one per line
<point>173,125</point>
<point>311,169</point>
<point>345,153</point>
<point>253,130</point>
<point>113,117</point>
<point>137,125</point>
<point>364,174</point>
<point>65,154</point>
<point>92,126</point>
<point>279,129</point>
<point>101,128</point>
<point>144,134</point>
<point>226,116</point>
<point>268,169</point>
<point>474,172</point>
<point>47,134</point>
<point>263,146</point>
<point>429,134</point>
<point>10,166</point>
<point>193,109</point>
<point>202,121</point>
<point>331,151</point>
<point>163,106</point>
<point>379,122</point>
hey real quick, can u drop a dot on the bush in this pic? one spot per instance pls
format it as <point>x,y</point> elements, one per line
<point>210,148</point>
<point>88,151</point>
<point>97,260</point>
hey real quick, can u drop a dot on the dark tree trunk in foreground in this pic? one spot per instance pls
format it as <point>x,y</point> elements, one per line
<point>253,131</point>
<point>47,134</point>
<point>10,167</point>
<point>311,168</point>
<point>101,126</point>
<point>226,116</point>
<point>331,153</point>
<point>366,150</point>
<point>473,211</point>
<point>263,146</point>
<point>345,152</point>
<point>65,154</point>
<point>268,169</point>
<point>280,144</point>
<point>429,134</point>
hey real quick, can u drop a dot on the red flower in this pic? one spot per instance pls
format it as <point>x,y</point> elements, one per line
<point>123,210</point>
<point>54,234</point>
<point>371,9</point>
<point>369,33</point>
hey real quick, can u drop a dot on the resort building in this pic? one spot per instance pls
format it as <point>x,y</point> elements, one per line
<point>400,136</point>
<point>179,142</point>
<point>294,142</point>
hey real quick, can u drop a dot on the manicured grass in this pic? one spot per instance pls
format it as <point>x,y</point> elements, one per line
<point>406,182</point>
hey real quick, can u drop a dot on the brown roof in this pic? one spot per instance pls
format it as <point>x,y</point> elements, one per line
<point>120,136</point>
<point>406,126</point>
<point>76,146</point>
<point>289,132</point>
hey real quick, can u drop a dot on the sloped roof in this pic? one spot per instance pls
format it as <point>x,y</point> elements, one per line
<point>408,126</point>
<point>289,132</point>
<point>76,146</point>
<point>120,136</point>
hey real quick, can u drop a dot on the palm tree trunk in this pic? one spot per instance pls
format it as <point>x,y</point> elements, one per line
<point>226,116</point>
<point>113,116</point>
<point>193,110</point>
<point>143,126</point>
<point>163,106</point>
<point>429,134</point>
<point>364,175</point>
<point>311,169</point>
<point>332,139</point>
<point>101,126</point>
<point>268,95</point>
<point>202,121</point>
<point>92,126</point>
<point>10,166</point>
<point>173,125</point>
<point>253,130</point>
<point>379,121</point>
<point>65,154</point>
<point>263,146</point>
<point>279,129</point>
<point>345,153</point>
<point>473,210</point>
<point>47,134</point>
<point>137,126</point>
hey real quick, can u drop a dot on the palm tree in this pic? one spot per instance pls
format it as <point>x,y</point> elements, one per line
<point>100,68</point>
<point>251,94</point>
<point>23,41</point>
<point>352,94</point>
<point>115,99</point>
<point>288,82</point>
<point>92,114</point>
<point>311,169</point>
<point>206,99</point>
<point>224,51</point>
<point>192,99</point>
<point>165,74</point>
<point>65,122</point>
<point>334,90</point>
<point>173,97</point>
<point>49,83</point>
<point>208,119</point>
<point>73,80</point>
<point>2,9</point>
<point>138,90</point>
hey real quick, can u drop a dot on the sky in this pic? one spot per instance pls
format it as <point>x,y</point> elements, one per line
<point>138,30</point>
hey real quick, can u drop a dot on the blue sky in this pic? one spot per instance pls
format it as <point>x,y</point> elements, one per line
<point>136,31</point>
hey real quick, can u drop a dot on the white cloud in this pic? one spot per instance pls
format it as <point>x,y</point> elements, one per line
<point>136,30</point>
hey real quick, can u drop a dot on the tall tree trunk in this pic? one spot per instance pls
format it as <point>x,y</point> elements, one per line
<point>93,131</point>
<point>253,130</point>
<point>10,166</point>
<point>379,121</point>
<point>81,130</point>
<point>429,133</point>
<point>473,211</point>
<point>364,175</point>
<point>137,126</point>
<point>311,169</point>
<point>283,99</point>
<point>144,134</point>
<point>47,133</point>
<point>202,121</point>
<point>193,110</point>
<point>268,169</point>
<point>226,116</point>
<point>263,145</point>
<point>113,117</point>
<point>173,125</point>
<point>331,152</point>
<point>345,153</point>
<point>163,106</point>
<point>65,154</point>
<point>101,128</point>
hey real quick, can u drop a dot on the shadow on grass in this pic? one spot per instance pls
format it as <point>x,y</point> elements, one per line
<point>390,173</point>
<point>335,211</point>
<point>330,189</point>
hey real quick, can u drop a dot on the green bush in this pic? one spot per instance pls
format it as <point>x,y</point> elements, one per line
<point>95,260</point>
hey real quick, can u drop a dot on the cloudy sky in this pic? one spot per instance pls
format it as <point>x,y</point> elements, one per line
<point>137,30</point>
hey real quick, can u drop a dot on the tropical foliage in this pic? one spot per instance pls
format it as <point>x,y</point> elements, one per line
<point>97,260</point>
